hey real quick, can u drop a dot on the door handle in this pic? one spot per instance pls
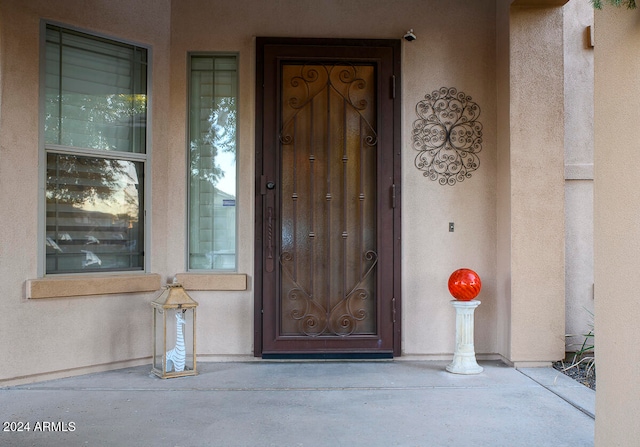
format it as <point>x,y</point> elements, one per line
<point>269,260</point>
<point>264,185</point>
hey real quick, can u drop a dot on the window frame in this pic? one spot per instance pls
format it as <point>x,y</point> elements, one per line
<point>190,55</point>
<point>44,149</point>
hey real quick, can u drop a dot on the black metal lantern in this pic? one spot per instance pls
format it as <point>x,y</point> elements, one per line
<point>174,333</point>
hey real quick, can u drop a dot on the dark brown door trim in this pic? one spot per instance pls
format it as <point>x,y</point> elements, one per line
<point>265,222</point>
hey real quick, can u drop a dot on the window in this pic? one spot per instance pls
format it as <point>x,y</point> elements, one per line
<point>95,141</point>
<point>212,162</point>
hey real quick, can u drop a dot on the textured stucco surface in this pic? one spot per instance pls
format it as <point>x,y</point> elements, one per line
<point>536,185</point>
<point>616,226</point>
<point>64,334</point>
<point>578,97</point>
<point>457,46</point>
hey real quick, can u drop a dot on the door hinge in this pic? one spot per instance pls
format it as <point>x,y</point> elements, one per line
<point>393,310</point>
<point>393,196</point>
<point>393,86</point>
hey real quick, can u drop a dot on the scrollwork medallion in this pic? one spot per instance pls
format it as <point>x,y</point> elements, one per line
<point>447,135</point>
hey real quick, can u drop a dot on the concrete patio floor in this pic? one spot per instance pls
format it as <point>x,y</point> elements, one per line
<point>369,403</point>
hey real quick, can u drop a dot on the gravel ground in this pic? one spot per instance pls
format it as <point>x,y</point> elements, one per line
<point>580,373</point>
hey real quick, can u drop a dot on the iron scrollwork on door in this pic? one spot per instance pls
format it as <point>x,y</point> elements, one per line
<point>328,234</point>
<point>343,317</point>
<point>314,80</point>
<point>448,136</point>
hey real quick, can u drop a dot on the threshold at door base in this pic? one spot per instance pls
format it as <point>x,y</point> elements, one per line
<point>328,356</point>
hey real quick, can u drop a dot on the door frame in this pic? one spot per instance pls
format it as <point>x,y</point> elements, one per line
<point>395,194</point>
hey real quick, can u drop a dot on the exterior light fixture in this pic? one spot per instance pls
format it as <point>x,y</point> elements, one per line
<point>174,333</point>
<point>410,37</point>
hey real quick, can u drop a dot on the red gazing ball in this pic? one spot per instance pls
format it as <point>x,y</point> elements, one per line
<point>464,284</point>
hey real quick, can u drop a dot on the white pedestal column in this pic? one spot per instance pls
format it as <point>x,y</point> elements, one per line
<point>464,358</point>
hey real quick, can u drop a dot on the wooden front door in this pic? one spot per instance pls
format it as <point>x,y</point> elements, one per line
<point>327,198</point>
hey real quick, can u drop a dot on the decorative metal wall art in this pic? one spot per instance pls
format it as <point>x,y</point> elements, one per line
<point>448,136</point>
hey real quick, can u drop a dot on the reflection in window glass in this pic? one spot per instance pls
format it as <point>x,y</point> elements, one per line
<point>212,162</point>
<point>93,214</point>
<point>95,145</point>
<point>95,92</point>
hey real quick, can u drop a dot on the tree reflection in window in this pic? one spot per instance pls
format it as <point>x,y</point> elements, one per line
<point>212,162</point>
<point>95,144</point>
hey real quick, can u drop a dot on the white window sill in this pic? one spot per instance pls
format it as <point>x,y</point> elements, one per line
<point>84,285</point>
